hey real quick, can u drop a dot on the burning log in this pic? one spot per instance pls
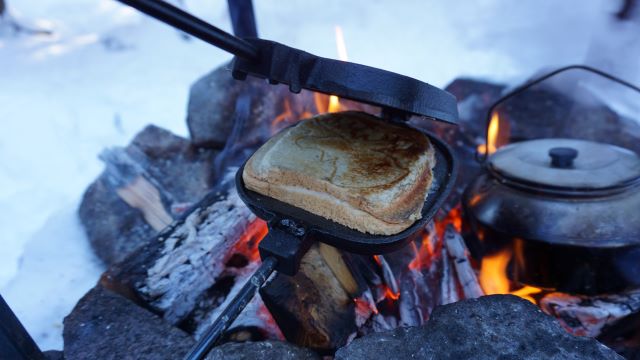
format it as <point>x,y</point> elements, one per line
<point>460,255</point>
<point>313,308</point>
<point>195,266</point>
<point>590,315</point>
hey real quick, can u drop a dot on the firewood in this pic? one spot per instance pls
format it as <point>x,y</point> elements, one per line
<point>448,287</point>
<point>133,184</point>
<point>335,261</point>
<point>142,195</point>
<point>590,315</point>
<point>181,274</point>
<point>312,308</point>
<point>460,255</point>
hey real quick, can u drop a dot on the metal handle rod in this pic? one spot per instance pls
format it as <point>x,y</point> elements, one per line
<point>243,19</point>
<point>192,25</point>
<point>15,341</point>
<point>231,312</point>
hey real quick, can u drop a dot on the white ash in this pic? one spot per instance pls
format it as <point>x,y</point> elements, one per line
<point>194,256</point>
<point>588,316</point>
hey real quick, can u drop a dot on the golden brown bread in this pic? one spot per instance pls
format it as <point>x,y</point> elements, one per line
<point>359,171</point>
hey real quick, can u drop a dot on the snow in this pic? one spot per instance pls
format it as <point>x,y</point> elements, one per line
<point>107,71</point>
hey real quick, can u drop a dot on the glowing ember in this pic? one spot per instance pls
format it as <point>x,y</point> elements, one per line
<point>389,294</point>
<point>365,307</point>
<point>493,277</point>
<point>247,245</point>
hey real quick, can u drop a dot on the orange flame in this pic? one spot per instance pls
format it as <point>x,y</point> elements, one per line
<point>493,137</point>
<point>334,101</point>
<point>248,242</point>
<point>287,113</point>
<point>493,277</point>
<point>389,294</point>
<point>424,254</point>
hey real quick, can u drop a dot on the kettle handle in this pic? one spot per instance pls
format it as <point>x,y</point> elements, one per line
<point>481,156</point>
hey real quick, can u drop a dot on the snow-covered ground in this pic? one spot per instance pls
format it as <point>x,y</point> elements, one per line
<point>107,71</point>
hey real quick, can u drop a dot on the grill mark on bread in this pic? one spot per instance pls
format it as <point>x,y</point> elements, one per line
<point>380,169</point>
<point>385,155</point>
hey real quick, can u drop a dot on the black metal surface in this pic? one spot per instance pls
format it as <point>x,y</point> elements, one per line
<point>342,237</point>
<point>190,24</point>
<point>287,242</point>
<point>243,19</point>
<point>15,341</point>
<point>301,70</point>
<point>562,157</point>
<point>231,312</point>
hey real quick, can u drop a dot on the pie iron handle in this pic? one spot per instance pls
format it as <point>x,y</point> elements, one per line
<point>281,249</point>
<point>287,241</point>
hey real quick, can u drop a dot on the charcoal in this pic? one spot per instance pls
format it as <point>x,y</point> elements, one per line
<point>261,350</point>
<point>181,173</point>
<point>104,325</point>
<point>490,327</point>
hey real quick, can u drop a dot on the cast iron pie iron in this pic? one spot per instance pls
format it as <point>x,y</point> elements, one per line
<point>291,229</point>
<point>296,225</point>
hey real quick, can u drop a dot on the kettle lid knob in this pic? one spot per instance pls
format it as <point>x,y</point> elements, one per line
<point>562,157</point>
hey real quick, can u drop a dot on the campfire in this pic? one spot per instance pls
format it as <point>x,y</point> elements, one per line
<point>195,262</point>
<point>337,296</point>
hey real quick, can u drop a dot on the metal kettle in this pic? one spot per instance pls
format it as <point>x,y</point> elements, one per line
<point>568,210</point>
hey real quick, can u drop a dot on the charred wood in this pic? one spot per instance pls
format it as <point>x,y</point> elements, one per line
<point>312,308</point>
<point>590,315</point>
<point>182,275</point>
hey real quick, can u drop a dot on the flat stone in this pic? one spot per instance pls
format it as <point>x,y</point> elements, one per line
<point>490,327</point>
<point>261,350</point>
<point>104,325</point>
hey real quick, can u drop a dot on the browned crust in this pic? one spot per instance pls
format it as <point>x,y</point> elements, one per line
<point>348,207</point>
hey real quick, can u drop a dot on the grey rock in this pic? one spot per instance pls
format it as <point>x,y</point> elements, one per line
<point>212,105</point>
<point>182,173</point>
<point>104,325</point>
<point>261,350</point>
<point>491,327</point>
<point>53,355</point>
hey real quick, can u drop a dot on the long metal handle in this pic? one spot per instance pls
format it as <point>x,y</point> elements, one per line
<point>243,18</point>
<point>15,341</point>
<point>192,25</point>
<point>231,312</point>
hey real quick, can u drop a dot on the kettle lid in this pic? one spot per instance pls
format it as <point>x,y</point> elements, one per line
<point>567,164</point>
